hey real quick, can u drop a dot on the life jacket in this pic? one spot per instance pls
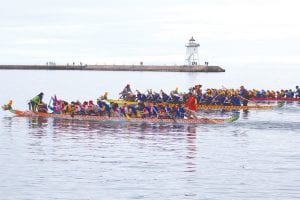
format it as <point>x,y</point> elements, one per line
<point>107,107</point>
<point>141,97</point>
<point>181,112</point>
<point>77,108</point>
<point>162,112</point>
<point>168,109</point>
<point>57,107</point>
<point>156,98</point>
<point>115,107</point>
<point>175,98</point>
<point>199,98</point>
<point>133,109</point>
<point>221,100</point>
<point>244,93</point>
<point>165,97</point>
<point>117,110</point>
<point>85,107</point>
<point>70,107</point>
<point>146,110</point>
<point>235,101</point>
<point>208,100</point>
<point>124,110</point>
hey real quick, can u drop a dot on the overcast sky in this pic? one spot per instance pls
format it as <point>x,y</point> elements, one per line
<point>230,32</point>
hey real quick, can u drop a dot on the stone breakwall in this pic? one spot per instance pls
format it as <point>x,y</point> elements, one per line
<point>158,68</point>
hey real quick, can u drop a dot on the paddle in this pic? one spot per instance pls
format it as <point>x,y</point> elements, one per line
<point>127,117</point>
<point>49,102</point>
<point>195,115</point>
<point>172,117</point>
<point>213,99</point>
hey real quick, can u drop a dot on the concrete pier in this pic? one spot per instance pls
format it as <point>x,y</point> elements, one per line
<point>154,68</point>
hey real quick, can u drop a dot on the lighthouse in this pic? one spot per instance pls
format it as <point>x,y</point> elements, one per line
<point>192,58</point>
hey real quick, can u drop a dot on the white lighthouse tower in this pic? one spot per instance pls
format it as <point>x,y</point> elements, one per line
<point>192,58</point>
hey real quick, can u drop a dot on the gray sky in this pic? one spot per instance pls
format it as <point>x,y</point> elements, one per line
<point>230,32</point>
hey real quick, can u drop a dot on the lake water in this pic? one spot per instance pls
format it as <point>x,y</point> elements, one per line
<point>256,157</point>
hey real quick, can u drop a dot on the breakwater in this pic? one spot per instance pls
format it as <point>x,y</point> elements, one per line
<point>158,68</point>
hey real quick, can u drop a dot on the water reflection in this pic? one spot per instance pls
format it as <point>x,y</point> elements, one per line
<point>37,122</point>
<point>58,124</point>
<point>245,114</point>
<point>7,122</point>
<point>191,138</point>
<point>40,126</point>
<point>70,131</point>
<point>37,126</point>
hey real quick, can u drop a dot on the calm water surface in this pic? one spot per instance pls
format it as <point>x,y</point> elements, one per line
<point>257,157</point>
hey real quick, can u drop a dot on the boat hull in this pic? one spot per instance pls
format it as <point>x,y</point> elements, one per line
<point>274,99</point>
<point>123,119</point>
<point>220,107</point>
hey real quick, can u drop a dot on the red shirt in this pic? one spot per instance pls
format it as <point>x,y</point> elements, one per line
<point>191,103</point>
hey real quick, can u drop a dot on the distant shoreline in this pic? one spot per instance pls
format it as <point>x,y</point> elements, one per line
<point>157,68</point>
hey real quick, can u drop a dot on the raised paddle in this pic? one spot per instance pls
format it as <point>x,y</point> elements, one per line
<point>127,117</point>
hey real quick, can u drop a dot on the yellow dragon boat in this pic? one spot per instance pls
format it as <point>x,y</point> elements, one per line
<point>211,107</point>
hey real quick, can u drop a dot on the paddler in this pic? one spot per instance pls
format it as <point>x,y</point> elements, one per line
<point>191,106</point>
<point>245,95</point>
<point>191,102</point>
<point>297,92</point>
<point>104,97</point>
<point>198,90</point>
<point>140,96</point>
<point>235,101</point>
<point>126,93</point>
<point>35,101</point>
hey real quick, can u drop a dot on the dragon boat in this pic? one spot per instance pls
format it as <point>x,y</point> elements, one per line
<point>274,99</point>
<point>213,107</point>
<point>221,107</point>
<point>202,120</point>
